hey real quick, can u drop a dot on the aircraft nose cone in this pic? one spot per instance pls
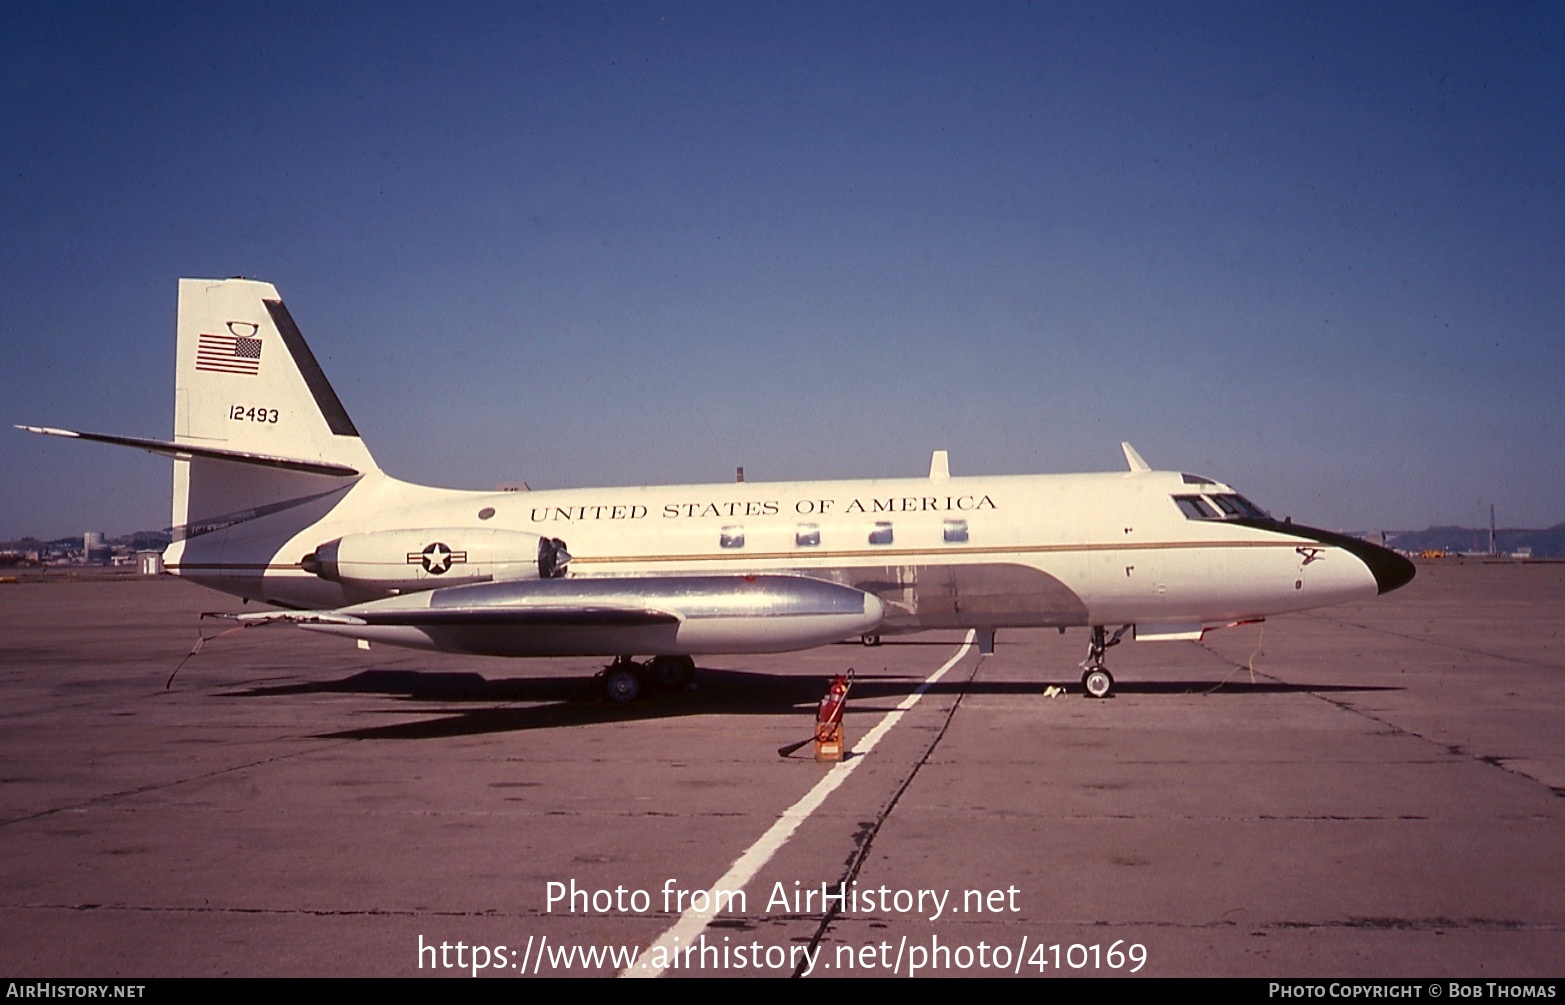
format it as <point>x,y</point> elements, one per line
<point>1390,570</point>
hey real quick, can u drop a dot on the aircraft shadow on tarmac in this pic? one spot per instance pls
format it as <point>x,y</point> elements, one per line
<point>560,702</point>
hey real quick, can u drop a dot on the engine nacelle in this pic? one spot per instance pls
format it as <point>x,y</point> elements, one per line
<point>406,561</point>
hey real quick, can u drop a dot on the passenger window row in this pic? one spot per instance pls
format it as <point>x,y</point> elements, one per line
<point>808,535</point>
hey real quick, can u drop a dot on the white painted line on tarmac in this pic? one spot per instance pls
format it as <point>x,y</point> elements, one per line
<point>657,957</point>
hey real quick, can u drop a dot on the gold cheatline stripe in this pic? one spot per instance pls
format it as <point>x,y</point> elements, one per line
<point>810,553</point>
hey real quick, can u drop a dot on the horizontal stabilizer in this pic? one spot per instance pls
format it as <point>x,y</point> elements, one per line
<point>173,449</point>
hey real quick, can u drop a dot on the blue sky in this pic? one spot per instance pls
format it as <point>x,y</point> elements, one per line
<point>1317,251</point>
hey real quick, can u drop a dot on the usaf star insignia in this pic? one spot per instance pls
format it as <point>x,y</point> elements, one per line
<point>436,558</point>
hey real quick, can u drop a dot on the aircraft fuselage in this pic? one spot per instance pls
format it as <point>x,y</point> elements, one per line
<point>996,552</point>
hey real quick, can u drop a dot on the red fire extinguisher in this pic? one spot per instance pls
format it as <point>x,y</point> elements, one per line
<point>828,718</point>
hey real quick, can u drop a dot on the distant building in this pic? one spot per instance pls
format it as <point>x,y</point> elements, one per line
<point>94,550</point>
<point>150,562</point>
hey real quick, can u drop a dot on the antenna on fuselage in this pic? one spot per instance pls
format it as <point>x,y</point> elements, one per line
<point>1134,459</point>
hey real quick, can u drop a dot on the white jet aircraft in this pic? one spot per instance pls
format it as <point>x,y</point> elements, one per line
<point>276,499</point>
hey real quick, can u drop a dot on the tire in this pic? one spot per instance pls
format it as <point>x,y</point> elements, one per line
<point>1098,683</point>
<point>621,685</point>
<point>673,673</point>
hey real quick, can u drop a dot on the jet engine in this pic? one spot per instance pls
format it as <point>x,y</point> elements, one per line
<point>405,561</point>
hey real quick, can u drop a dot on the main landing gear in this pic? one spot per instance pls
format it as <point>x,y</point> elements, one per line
<point>1095,677</point>
<point>625,680</point>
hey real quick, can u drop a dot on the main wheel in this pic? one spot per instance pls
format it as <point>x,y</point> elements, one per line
<point>621,684</point>
<point>673,673</point>
<point>1098,683</point>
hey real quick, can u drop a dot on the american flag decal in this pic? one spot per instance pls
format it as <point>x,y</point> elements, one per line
<point>228,354</point>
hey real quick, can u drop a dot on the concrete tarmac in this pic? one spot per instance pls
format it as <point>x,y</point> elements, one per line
<point>1368,790</point>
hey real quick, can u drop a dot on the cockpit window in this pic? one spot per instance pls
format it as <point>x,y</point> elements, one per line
<point>1196,508</point>
<point>1237,505</point>
<point>1219,506</point>
<point>1196,480</point>
<point>1227,505</point>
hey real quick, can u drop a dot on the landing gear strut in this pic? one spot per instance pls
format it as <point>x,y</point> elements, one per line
<point>1095,677</point>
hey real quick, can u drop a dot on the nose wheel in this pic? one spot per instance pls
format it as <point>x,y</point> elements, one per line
<point>1097,683</point>
<point>1096,680</point>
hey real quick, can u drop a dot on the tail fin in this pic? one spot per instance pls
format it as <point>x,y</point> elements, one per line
<point>247,386</point>
<point>262,447</point>
<point>246,381</point>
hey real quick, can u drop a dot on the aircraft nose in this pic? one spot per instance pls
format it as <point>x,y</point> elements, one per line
<point>1388,569</point>
<point>1391,571</point>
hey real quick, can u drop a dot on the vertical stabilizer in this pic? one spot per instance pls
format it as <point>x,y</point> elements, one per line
<point>246,382</point>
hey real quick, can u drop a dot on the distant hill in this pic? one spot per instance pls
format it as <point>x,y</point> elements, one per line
<point>1547,543</point>
<point>144,540</point>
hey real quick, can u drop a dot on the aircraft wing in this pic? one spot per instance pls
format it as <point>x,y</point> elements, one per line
<point>531,617</point>
<point>286,617</point>
<point>606,616</point>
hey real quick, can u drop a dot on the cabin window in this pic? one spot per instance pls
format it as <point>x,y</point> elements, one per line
<point>731,537</point>
<point>954,531</point>
<point>1196,508</point>
<point>486,513</point>
<point>807,535</point>
<point>881,534</point>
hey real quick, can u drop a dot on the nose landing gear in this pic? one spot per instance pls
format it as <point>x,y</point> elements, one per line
<point>1095,677</point>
